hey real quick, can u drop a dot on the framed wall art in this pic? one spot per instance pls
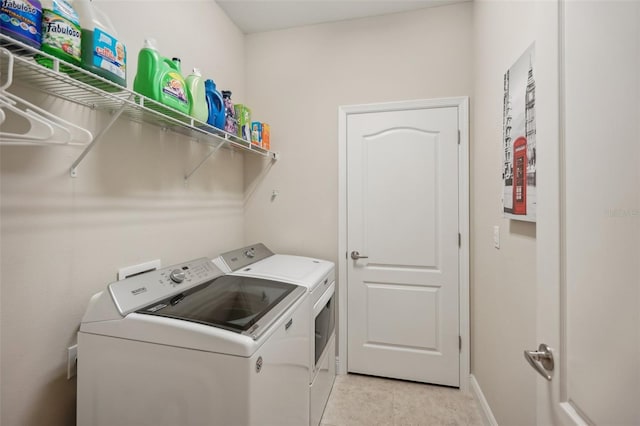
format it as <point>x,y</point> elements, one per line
<point>519,139</point>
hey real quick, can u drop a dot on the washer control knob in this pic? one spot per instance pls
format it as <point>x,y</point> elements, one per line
<point>177,276</point>
<point>250,253</point>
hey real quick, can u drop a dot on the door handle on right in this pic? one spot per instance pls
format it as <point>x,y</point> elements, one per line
<point>541,360</point>
<point>355,255</point>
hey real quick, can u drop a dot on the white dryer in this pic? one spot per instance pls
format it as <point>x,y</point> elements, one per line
<point>188,345</point>
<point>318,276</point>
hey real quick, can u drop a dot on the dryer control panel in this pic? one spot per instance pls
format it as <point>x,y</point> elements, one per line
<point>141,290</point>
<point>240,258</point>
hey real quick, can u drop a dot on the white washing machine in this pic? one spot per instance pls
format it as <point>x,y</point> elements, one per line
<point>188,345</point>
<point>318,276</point>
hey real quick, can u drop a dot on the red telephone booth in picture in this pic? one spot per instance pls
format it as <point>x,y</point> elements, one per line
<point>520,176</point>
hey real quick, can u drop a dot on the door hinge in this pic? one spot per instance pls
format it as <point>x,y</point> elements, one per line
<point>460,343</point>
<point>459,137</point>
<point>459,240</point>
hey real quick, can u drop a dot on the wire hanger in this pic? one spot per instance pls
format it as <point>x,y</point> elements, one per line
<point>45,127</point>
<point>71,133</point>
<point>39,129</point>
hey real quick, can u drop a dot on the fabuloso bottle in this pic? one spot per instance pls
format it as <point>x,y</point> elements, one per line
<point>21,20</point>
<point>60,32</point>
<point>102,53</point>
<point>159,78</point>
<point>197,96</point>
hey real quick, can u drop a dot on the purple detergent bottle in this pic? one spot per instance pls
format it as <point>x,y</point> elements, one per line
<point>230,124</point>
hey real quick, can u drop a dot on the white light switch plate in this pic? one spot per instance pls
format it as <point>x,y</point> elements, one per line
<point>496,237</point>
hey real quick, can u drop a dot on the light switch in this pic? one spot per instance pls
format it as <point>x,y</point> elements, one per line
<point>496,237</point>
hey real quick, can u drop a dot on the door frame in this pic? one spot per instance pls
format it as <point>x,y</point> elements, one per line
<point>462,104</point>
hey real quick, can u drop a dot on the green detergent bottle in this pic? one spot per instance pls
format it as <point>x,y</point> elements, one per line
<point>60,33</point>
<point>102,53</point>
<point>197,96</point>
<point>159,78</point>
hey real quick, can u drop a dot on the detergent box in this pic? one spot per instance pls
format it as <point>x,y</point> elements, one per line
<point>256,133</point>
<point>243,115</point>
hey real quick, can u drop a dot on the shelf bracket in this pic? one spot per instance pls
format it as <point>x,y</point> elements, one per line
<point>213,151</point>
<point>273,157</point>
<point>116,114</point>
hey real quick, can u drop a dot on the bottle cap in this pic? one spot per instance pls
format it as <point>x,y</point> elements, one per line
<point>150,43</point>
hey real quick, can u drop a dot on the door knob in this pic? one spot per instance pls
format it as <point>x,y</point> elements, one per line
<point>541,360</point>
<point>355,255</point>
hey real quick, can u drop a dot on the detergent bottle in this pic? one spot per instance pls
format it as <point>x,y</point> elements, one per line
<point>60,32</point>
<point>230,123</point>
<point>159,78</point>
<point>102,53</point>
<point>22,20</point>
<point>215,105</point>
<point>197,96</point>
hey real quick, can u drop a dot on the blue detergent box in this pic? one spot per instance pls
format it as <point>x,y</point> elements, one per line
<point>256,133</point>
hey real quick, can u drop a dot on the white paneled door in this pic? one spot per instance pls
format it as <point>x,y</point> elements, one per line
<point>403,244</point>
<point>589,241</point>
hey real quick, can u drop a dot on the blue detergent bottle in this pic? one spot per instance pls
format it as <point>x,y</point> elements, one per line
<point>21,20</point>
<point>215,105</point>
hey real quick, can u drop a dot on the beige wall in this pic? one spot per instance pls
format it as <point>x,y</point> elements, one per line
<point>63,239</point>
<point>504,280</point>
<point>297,78</point>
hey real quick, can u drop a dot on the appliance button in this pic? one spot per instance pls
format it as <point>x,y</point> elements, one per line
<point>177,276</point>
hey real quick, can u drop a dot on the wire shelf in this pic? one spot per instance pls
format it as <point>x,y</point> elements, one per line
<point>72,83</point>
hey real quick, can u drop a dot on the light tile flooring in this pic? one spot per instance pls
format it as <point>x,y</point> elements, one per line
<point>370,401</point>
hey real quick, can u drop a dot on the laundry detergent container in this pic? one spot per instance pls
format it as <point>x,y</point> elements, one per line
<point>215,105</point>
<point>103,53</point>
<point>159,78</point>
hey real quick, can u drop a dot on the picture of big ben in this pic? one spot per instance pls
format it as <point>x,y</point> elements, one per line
<point>519,139</point>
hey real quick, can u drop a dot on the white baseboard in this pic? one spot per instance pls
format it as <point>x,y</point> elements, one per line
<point>485,409</point>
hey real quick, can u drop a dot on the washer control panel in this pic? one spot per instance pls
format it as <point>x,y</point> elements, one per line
<point>141,290</point>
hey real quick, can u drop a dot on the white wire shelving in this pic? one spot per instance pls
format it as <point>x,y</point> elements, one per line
<point>72,83</point>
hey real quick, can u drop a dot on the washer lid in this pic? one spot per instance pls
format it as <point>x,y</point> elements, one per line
<point>244,305</point>
<point>300,270</point>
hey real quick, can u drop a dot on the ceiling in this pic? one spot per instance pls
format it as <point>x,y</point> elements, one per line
<point>253,16</point>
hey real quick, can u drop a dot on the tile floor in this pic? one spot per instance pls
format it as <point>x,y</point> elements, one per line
<point>358,400</point>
